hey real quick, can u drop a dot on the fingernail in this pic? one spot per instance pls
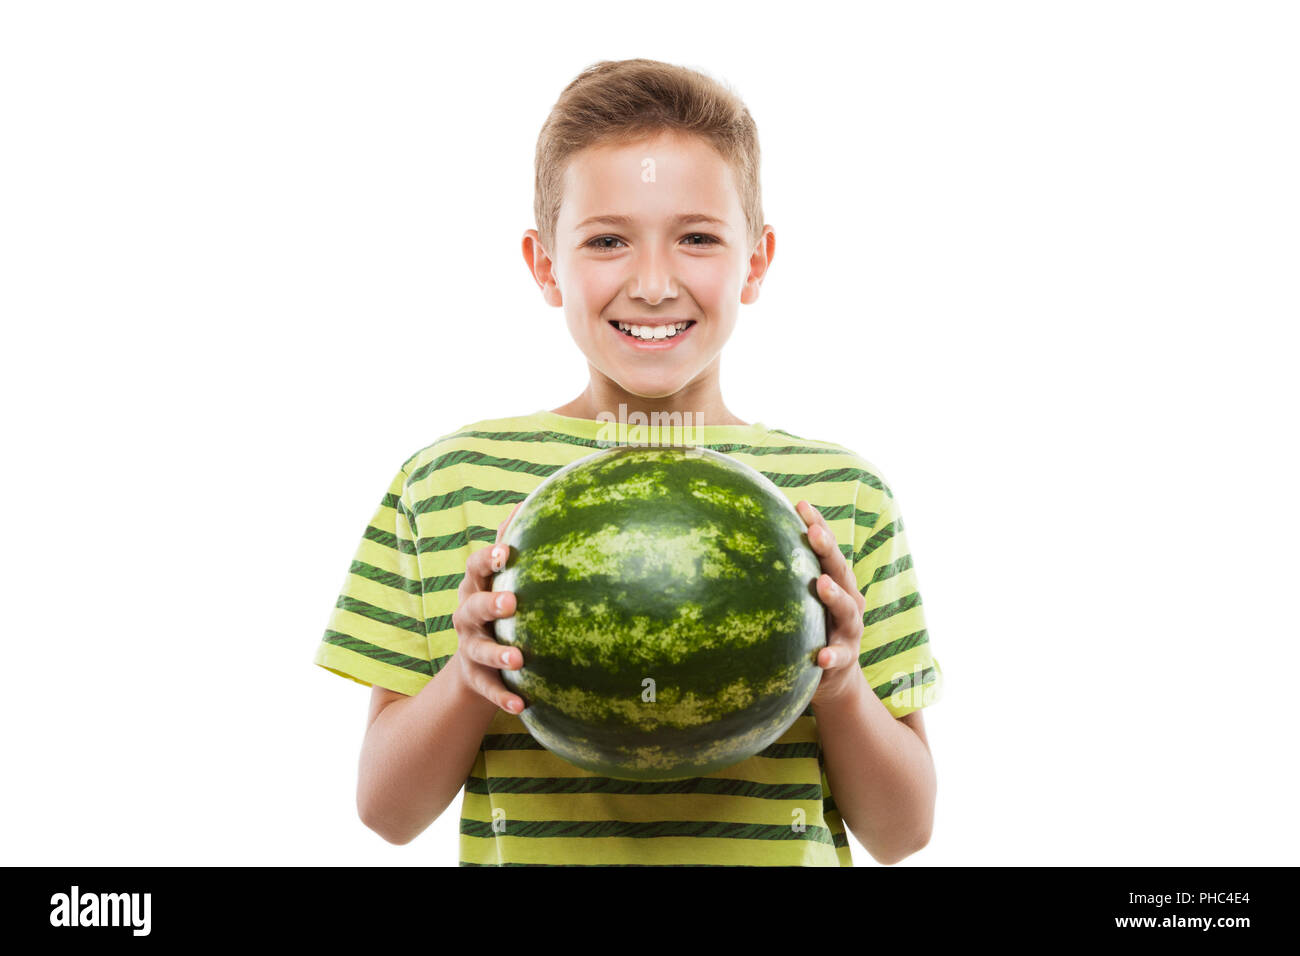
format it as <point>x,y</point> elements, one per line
<point>496,558</point>
<point>500,602</point>
<point>505,658</point>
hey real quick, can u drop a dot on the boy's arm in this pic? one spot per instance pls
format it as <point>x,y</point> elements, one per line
<point>879,767</point>
<point>417,753</point>
<point>418,750</point>
<point>880,770</point>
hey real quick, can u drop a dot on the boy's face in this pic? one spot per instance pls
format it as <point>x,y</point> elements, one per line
<point>647,264</point>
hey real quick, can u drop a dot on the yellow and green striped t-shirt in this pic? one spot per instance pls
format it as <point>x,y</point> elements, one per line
<point>392,627</point>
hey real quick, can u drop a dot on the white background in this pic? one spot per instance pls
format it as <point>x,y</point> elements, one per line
<point>1036,261</point>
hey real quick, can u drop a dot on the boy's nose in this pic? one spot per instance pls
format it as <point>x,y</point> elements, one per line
<point>653,281</point>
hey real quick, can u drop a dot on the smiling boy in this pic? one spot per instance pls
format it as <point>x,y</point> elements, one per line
<point>650,236</point>
<point>625,250</point>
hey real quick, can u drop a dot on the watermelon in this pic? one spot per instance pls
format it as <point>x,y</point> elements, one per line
<point>666,610</point>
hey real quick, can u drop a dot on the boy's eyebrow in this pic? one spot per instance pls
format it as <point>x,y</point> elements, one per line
<point>684,218</point>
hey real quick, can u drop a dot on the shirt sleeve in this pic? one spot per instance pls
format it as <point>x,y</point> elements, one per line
<point>896,655</point>
<point>377,632</point>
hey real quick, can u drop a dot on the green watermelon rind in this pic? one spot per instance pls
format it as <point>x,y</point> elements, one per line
<point>712,707</point>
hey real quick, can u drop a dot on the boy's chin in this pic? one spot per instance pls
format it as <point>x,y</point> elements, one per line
<point>654,389</point>
<point>649,387</point>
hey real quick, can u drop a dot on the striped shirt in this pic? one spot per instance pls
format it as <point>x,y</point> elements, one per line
<point>392,627</point>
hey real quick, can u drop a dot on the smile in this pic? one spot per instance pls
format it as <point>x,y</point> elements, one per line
<point>652,336</point>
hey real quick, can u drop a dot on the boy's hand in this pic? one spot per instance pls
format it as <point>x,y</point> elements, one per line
<point>479,657</point>
<point>839,592</point>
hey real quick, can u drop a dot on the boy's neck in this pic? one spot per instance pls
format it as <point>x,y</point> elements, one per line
<point>701,413</point>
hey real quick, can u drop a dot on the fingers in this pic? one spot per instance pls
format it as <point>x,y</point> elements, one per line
<point>486,651</point>
<point>839,575</point>
<point>818,530</point>
<point>843,642</point>
<point>836,655</point>
<point>485,678</point>
<point>481,566</point>
<point>811,515</point>
<point>485,562</point>
<point>844,604</point>
<point>838,589</point>
<point>474,612</point>
<point>480,656</point>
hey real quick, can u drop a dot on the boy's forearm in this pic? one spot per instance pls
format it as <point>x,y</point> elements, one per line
<point>880,773</point>
<point>417,754</point>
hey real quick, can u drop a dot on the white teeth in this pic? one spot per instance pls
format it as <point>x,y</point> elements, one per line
<point>649,332</point>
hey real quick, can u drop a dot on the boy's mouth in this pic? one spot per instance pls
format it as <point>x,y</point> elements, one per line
<point>658,336</point>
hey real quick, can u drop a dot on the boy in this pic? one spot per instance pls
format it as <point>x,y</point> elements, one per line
<point>650,236</point>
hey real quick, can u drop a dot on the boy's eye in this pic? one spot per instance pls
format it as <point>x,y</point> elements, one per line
<point>599,241</point>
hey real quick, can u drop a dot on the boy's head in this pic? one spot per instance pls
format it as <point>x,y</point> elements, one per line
<point>630,149</point>
<point>628,101</point>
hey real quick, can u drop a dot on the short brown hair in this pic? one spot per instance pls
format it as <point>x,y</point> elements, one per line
<point>616,101</point>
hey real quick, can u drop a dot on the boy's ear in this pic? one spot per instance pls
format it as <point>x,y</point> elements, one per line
<point>540,265</point>
<point>760,260</point>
